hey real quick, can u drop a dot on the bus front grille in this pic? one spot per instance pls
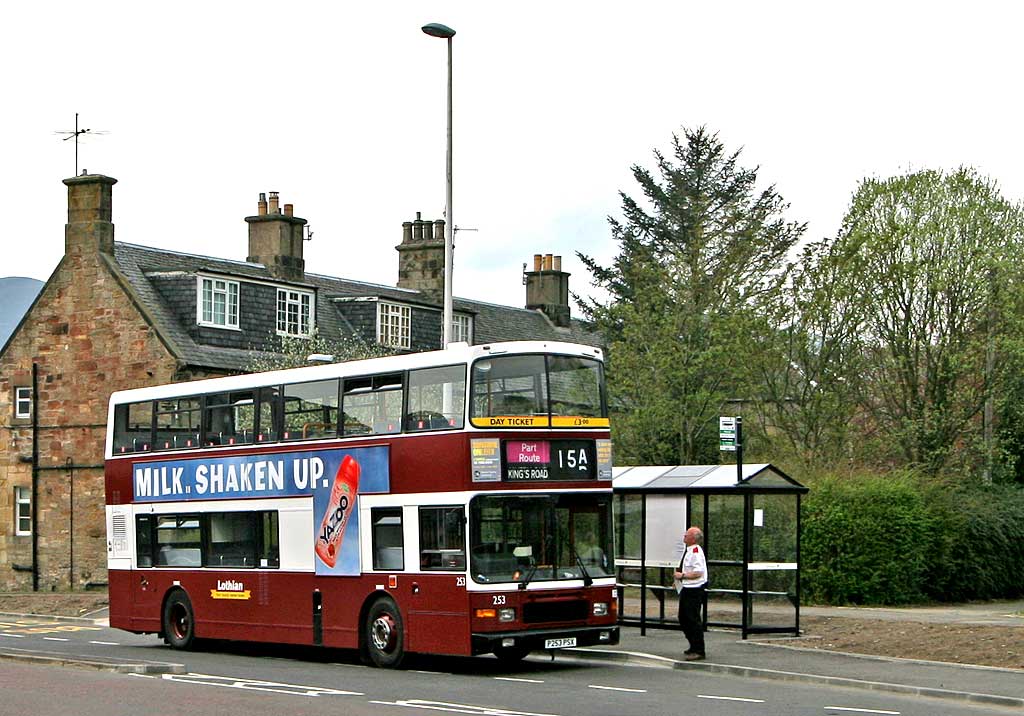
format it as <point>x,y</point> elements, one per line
<point>560,611</point>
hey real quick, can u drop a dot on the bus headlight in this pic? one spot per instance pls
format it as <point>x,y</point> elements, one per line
<point>508,614</point>
<point>600,609</point>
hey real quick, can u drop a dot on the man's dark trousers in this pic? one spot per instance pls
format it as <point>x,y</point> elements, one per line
<point>691,599</point>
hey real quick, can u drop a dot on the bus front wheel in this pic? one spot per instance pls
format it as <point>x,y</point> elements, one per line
<point>179,621</point>
<point>385,641</point>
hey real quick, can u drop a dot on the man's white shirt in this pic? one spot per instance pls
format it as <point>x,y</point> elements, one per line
<point>693,561</point>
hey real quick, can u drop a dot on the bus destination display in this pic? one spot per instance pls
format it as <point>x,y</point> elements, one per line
<point>549,460</point>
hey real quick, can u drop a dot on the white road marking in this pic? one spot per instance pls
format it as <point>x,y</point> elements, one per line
<point>457,708</point>
<point>105,643</point>
<point>142,676</point>
<point>617,688</point>
<point>13,636</point>
<point>53,638</point>
<point>231,682</point>
<point>731,698</point>
<point>428,673</point>
<point>524,681</point>
<point>862,711</point>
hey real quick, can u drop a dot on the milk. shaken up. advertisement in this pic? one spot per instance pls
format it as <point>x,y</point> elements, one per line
<point>335,478</point>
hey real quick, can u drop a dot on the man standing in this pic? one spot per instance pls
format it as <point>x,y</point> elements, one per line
<point>693,577</point>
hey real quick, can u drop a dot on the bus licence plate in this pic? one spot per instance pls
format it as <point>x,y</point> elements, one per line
<point>559,643</point>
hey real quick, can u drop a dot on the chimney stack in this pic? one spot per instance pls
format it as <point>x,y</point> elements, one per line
<point>547,289</point>
<point>90,208</point>
<point>275,239</point>
<point>421,257</point>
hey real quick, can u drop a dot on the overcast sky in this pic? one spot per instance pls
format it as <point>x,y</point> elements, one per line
<point>340,108</point>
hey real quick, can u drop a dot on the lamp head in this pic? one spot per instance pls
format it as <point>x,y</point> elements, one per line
<point>436,29</point>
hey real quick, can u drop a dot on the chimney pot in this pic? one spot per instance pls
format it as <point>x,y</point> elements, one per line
<point>274,205</point>
<point>557,263</point>
<point>547,262</point>
<point>261,207</point>
<point>439,229</point>
<point>537,259</point>
<point>289,210</point>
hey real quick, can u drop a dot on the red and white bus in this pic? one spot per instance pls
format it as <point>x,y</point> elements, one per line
<point>453,502</point>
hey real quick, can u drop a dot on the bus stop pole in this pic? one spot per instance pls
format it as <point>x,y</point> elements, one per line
<point>643,564</point>
<point>739,449</point>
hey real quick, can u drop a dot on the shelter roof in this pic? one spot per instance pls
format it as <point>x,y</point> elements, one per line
<point>702,478</point>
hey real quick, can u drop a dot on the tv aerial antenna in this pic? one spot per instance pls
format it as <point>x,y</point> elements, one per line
<point>76,134</point>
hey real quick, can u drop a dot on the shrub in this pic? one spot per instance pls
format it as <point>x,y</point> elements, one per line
<point>866,540</point>
<point>896,538</point>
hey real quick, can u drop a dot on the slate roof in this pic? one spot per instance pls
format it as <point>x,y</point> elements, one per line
<point>142,266</point>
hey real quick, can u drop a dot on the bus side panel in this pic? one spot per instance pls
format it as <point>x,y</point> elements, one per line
<point>437,620</point>
<point>119,595</point>
<point>253,605</point>
<point>435,465</point>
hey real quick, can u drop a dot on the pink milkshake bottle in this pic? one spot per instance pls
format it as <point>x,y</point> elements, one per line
<point>341,504</point>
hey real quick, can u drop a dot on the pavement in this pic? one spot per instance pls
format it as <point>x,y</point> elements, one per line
<point>789,658</point>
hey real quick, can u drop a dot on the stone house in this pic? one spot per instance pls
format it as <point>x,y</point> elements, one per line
<point>115,315</point>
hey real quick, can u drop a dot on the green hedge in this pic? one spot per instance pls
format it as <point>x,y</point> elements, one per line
<point>980,554</point>
<point>898,539</point>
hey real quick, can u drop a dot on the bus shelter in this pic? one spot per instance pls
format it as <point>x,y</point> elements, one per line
<point>751,522</point>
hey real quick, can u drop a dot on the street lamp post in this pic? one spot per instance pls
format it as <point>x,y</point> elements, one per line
<point>443,31</point>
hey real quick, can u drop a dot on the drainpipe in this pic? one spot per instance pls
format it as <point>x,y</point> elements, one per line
<point>35,477</point>
<point>69,464</point>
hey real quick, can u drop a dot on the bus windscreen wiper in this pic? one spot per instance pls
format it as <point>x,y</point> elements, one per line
<point>529,575</point>
<point>587,579</point>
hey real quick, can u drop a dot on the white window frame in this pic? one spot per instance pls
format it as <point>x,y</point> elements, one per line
<point>22,522</point>
<point>22,403</point>
<point>394,324</point>
<point>303,302</point>
<point>229,290</point>
<point>462,328</point>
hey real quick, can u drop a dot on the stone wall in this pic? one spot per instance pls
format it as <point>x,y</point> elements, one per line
<point>88,340</point>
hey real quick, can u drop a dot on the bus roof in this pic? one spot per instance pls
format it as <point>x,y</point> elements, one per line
<point>456,353</point>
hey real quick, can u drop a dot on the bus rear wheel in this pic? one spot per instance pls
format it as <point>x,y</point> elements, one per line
<point>385,640</point>
<point>179,622</point>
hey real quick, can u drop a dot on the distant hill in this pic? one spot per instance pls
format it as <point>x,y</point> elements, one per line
<point>16,295</point>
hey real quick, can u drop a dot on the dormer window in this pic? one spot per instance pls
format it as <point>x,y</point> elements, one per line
<point>393,321</point>
<point>218,303</point>
<point>294,312</point>
<point>462,328</point>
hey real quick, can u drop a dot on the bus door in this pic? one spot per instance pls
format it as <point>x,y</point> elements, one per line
<point>438,614</point>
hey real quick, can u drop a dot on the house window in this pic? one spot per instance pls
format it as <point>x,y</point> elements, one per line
<point>462,328</point>
<point>393,325</point>
<point>218,303</point>
<point>294,311</point>
<point>22,402</point>
<point>22,511</point>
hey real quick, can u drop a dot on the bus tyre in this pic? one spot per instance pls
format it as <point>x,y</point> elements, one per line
<point>511,654</point>
<point>179,622</point>
<point>385,640</point>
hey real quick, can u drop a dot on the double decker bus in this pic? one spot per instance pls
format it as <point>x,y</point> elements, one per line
<point>453,502</point>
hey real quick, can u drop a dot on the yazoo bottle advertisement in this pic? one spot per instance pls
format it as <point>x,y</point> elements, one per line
<point>347,474</point>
